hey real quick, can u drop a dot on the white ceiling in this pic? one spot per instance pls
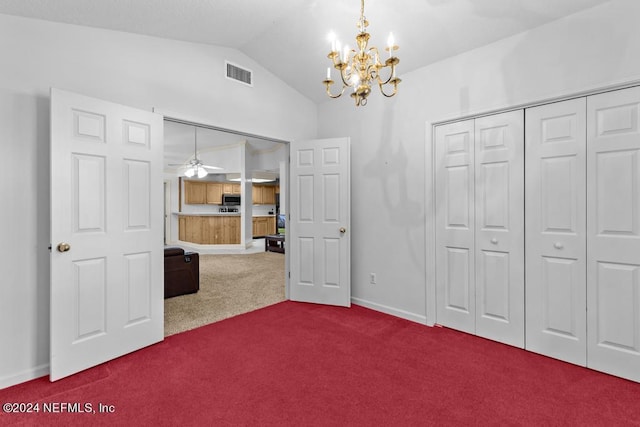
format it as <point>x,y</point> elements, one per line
<point>289,37</point>
<point>180,143</point>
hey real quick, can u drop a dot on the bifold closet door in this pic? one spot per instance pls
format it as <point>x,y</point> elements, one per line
<point>613,232</point>
<point>480,227</point>
<point>555,177</point>
<point>455,222</point>
<point>499,218</point>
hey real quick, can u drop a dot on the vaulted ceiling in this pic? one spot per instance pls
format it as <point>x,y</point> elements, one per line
<point>289,37</point>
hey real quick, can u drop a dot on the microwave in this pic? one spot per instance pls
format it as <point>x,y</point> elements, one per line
<point>230,199</point>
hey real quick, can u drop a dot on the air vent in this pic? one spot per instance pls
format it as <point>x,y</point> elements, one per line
<point>239,74</point>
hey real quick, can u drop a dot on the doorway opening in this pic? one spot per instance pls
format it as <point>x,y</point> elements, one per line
<point>236,275</point>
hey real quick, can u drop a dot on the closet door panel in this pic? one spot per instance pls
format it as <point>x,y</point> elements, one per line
<point>499,225</point>
<point>556,230</point>
<point>455,226</point>
<point>613,227</point>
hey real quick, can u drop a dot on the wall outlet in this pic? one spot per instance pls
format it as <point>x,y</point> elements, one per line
<point>372,278</point>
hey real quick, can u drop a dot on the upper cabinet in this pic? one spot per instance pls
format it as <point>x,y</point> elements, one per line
<point>195,192</point>
<point>230,188</point>
<point>264,195</point>
<point>205,193</point>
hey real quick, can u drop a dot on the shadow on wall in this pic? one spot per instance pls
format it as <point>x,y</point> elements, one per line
<point>43,227</point>
<point>390,165</point>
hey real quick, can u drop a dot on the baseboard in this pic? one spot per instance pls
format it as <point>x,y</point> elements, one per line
<point>24,376</point>
<point>413,317</point>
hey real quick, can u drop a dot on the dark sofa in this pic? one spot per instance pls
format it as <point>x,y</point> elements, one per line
<point>181,272</point>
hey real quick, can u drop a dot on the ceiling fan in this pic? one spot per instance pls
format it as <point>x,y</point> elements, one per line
<point>195,167</point>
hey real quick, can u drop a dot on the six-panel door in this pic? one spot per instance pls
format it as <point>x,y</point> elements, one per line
<point>318,238</point>
<point>556,230</point>
<point>480,226</point>
<point>107,287</point>
<point>613,232</point>
<point>499,236</point>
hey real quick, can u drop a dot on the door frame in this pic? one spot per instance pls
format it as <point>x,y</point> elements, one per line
<point>429,176</point>
<point>202,122</point>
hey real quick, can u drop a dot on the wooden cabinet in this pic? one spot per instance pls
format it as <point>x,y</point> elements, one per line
<point>214,193</point>
<point>210,229</point>
<point>264,225</point>
<point>205,193</point>
<point>195,192</point>
<point>264,195</point>
<point>230,188</point>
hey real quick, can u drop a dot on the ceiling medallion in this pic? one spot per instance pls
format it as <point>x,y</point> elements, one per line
<point>361,68</point>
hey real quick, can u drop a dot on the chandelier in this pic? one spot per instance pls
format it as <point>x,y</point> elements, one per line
<point>361,68</point>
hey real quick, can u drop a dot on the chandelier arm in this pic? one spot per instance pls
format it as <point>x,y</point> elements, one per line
<point>391,74</point>
<point>395,88</point>
<point>328,83</point>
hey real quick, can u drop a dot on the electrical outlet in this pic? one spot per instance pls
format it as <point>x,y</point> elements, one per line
<point>372,278</point>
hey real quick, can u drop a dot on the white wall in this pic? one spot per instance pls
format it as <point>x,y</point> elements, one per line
<point>391,204</point>
<point>139,71</point>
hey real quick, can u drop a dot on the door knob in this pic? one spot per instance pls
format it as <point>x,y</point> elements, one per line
<point>64,247</point>
<point>343,230</point>
<point>558,245</point>
<point>494,241</point>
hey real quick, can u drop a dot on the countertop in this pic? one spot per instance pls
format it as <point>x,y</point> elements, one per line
<point>218,214</point>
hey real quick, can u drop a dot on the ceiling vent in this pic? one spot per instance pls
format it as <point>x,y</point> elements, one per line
<point>239,74</point>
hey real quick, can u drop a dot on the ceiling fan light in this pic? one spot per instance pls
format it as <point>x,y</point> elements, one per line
<point>202,172</point>
<point>189,172</point>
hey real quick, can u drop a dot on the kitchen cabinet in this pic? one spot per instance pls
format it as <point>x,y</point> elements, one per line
<point>264,195</point>
<point>214,193</point>
<point>230,188</point>
<point>210,229</point>
<point>264,225</point>
<point>195,192</point>
<point>203,193</point>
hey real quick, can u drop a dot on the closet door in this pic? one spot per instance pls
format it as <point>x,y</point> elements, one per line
<point>556,230</point>
<point>455,288</point>
<point>613,233</point>
<point>499,227</point>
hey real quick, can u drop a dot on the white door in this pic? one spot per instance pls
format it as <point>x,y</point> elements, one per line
<point>556,291</point>
<point>499,227</point>
<point>319,222</point>
<point>106,231</point>
<point>455,223</point>
<point>613,233</point>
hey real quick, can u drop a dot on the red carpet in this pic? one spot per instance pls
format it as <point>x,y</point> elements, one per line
<point>303,364</point>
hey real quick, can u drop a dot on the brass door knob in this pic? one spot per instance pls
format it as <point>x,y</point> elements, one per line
<point>64,247</point>
<point>343,230</point>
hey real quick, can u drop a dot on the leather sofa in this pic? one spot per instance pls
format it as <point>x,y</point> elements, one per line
<point>181,272</point>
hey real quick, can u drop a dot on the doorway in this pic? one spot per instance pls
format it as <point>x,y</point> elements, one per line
<point>228,153</point>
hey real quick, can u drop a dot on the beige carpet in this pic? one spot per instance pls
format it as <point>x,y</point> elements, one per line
<point>229,285</point>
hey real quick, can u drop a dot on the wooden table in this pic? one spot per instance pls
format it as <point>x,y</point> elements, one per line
<point>274,243</point>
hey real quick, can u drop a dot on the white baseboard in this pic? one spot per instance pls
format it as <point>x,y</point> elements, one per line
<point>24,376</point>
<point>418,318</point>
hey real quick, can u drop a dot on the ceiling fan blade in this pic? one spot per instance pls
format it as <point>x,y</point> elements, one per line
<point>210,167</point>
